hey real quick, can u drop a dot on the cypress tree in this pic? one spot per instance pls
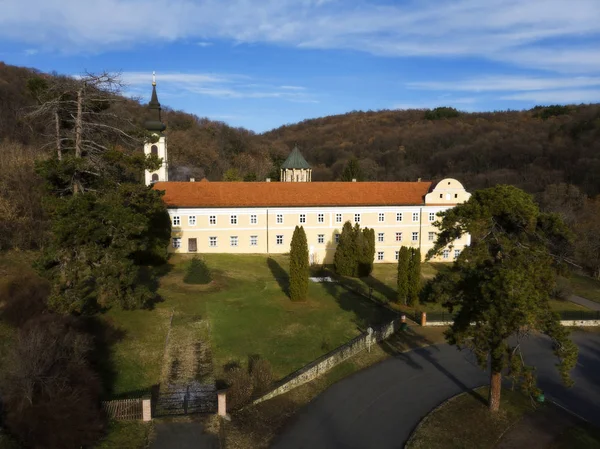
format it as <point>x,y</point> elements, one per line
<point>197,272</point>
<point>344,259</point>
<point>367,251</point>
<point>414,276</point>
<point>403,267</point>
<point>299,268</point>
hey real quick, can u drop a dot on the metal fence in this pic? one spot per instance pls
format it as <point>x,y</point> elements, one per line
<point>123,409</point>
<point>437,317</point>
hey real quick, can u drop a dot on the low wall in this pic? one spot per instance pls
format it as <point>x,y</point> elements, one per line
<point>580,323</point>
<point>331,359</point>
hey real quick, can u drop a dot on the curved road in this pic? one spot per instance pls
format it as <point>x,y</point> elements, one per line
<point>380,406</point>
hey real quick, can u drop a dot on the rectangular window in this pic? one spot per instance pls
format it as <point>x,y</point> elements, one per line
<point>192,220</point>
<point>279,239</point>
<point>379,255</point>
<point>253,219</point>
<point>398,236</point>
<point>415,216</point>
<point>431,216</point>
<point>381,218</point>
<point>321,238</point>
<point>176,242</point>
<point>415,236</point>
<point>176,220</point>
<point>212,242</point>
<point>233,219</point>
<point>380,237</point>
<point>397,255</point>
<point>357,218</point>
<point>212,220</point>
<point>279,218</point>
<point>337,238</point>
<point>233,240</point>
<point>302,218</point>
<point>338,218</point>
<point>431,236</point>
<point>253,240</point>
<point>399,216</point>
<point>321,218</point>
<point>446,254</point>
<point>456,253</point>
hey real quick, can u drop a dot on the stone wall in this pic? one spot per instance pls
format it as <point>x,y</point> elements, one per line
<point>326,362</point>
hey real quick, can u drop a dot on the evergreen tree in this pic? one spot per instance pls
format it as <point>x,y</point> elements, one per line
<point>299,269</point>
<point>352,171</point>
<point>403,269</point>
<point>502,282</point>
<point>414,276</point>
<point>366,244</point>
<point>197,272</point>
<point>344,259</point>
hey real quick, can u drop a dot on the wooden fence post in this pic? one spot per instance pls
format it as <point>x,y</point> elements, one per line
<point>423,318</point>
<point>146,410</point>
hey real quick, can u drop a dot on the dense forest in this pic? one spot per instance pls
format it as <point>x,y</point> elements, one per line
<point>536,150</point>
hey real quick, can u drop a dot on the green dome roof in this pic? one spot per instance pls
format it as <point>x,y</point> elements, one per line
<point>295,160</point>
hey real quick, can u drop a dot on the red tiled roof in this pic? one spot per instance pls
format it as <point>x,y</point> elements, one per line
<point>280,194</point>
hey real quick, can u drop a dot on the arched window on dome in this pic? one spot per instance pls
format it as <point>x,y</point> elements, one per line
<point>154,177</point>
<point>154,150</point>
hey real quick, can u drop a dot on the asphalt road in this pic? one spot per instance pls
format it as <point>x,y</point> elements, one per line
<point>592,305</point>
<point>380,406</point>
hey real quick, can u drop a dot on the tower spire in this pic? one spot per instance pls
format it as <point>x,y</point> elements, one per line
<point>154,123</point>
<point>153,78</point>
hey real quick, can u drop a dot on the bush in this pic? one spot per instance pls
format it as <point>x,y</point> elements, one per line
<point>240,387</point>
<point>50,392</point>
<point>197,272</point>
<point>563,289</point>
<point>23,298</point>
<point>299,268</point>
<point>402,280</point>
<point>261,374</point>
<point>414,276</point>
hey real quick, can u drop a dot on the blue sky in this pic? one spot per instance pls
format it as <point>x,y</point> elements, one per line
<point>262,64</point>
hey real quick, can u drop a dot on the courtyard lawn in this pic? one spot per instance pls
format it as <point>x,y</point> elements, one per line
<point>585,286</point>
<point>247,314</point>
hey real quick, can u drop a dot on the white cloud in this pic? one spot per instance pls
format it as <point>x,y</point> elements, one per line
<point>507,83</point>
<point>515,31</point>
<point>31,52</point>
<point>212,85</point>
<point>203,44</point>
<point>557,96</point>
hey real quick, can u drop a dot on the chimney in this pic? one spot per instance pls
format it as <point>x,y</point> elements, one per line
<point>353,179</point>
<point>268,180</point>
<point>192,179</point>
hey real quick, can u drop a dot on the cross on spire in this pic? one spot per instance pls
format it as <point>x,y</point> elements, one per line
<point>153,78</point>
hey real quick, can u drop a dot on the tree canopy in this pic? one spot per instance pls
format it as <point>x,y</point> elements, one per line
<point>501,284</point>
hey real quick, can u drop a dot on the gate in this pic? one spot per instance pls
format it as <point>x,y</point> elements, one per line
<point>176,400</point>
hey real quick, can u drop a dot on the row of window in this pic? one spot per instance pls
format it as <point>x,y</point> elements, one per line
<point>233,219</point>
<point>233,240</point>
<point>445,254</point>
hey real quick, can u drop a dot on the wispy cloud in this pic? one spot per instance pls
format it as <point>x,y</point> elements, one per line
<point>212,85</point>
<point>560,96</point>
<point>506,83</point>
<point>31,52</point>
<point>543,34</point>
<point>203,44</point>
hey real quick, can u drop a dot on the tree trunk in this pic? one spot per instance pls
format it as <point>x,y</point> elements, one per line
<point>58,141</point>
<point>495,388</point>
<point>78,138</point>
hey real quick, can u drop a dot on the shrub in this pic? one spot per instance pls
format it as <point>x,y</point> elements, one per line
<point>197,272</point>
<point>299,268</point>
<point>24,298</point>
<point>50,392</point>
<point>402,281</point>
<point>355,252</point>
<point>366,245</point>
<point>261,374</point>
<point>414,276</point>
<point>240,387</point>
<point>344,259</point>
<point>563,289</point>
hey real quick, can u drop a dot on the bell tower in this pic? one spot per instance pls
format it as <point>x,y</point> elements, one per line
<point>157,144</point>
<point>295,168</point>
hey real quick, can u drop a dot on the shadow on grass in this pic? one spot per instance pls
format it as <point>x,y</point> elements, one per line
<point>384,290</point>
<point>280,275</point>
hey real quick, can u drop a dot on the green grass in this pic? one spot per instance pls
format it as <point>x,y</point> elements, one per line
<point>126,435</point>
<point>445,427</point>
<point>582,436</point>
<point>585,286</point>
<point>248,314</point>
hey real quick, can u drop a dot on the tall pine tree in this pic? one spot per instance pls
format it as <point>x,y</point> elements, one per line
<point>366,244</point>
<point>344,259</point>
<point>299,269</point>
<point>414,276</point>
<point>403,268</point>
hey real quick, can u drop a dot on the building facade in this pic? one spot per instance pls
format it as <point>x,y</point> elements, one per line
<point>260,217</point>
<point>257,217</point>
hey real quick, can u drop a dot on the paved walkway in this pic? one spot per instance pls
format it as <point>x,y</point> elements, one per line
<point>380,406</point>
<point>182,435</point>
<point>592,305</point>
